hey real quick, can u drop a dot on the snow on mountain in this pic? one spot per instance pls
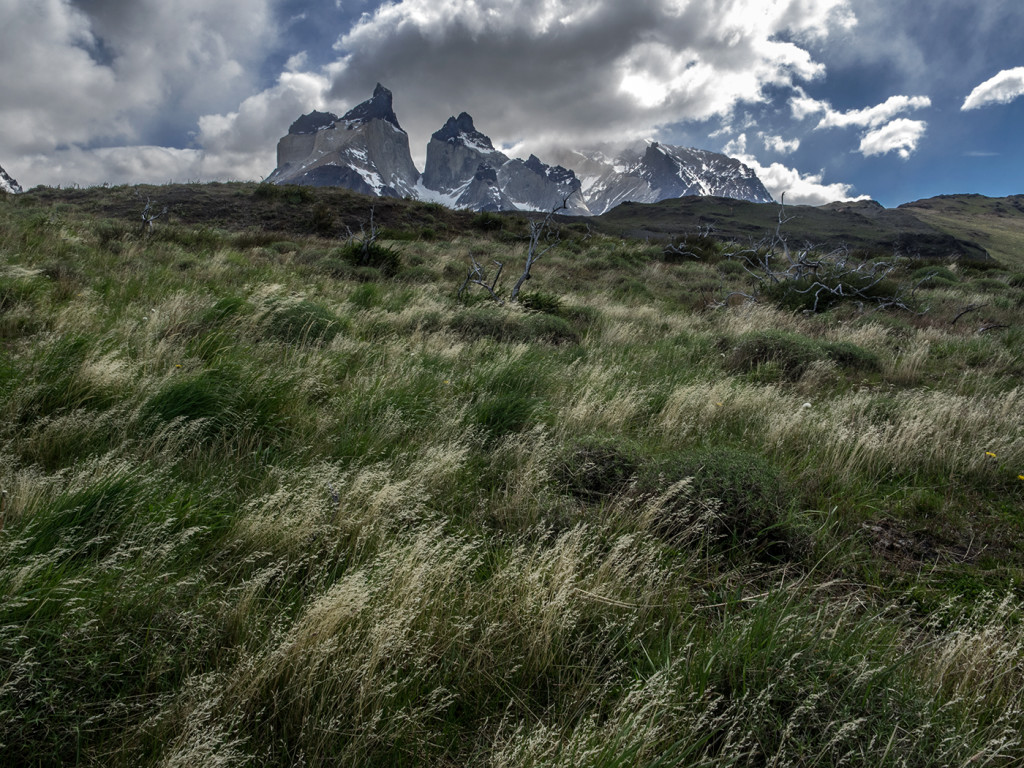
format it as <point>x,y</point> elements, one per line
<point>650,172</point>
<point>8,184</point>
<point>366,150</point>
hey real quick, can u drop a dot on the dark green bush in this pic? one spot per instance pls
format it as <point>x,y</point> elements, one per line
<point>505,400</point>
<point>751,495</point>
<point>190,238</point>
<point>595,469</point>
<point>853,357</point>
<point>988,284</point>
<point>229,402</point>
<point>792,354</point>
<point>17,290</point>
<point>826,290</point>
<point>322,220</point>
<point>936,275</point>
<point>303,322</point>
<point>384,258</point>
<point>488,222</point>
<point>541,302</point>
<point>365,296</point>
<point>289,193</point>
<point>730,267</point>
<point>502,413</point>
<point>494,322</point>
<point>692,248</point>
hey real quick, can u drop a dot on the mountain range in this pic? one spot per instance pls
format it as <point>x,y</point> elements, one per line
<point>8,184</point>
<point>366,150</point>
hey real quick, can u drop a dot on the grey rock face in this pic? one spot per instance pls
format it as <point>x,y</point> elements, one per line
<point>483,193</point>
<point>455,153</point>
<point>7,183</point>
<point>365,150</point>
<point>532,185</point>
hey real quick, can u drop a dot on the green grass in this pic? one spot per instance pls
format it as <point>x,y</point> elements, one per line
<point>263,505</point>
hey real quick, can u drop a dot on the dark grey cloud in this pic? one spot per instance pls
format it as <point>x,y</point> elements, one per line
<point>115,73</point>
<point>545,70</point>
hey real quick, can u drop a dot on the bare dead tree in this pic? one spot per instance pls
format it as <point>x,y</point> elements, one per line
<point>477,276</point>
<point>541,233</point>
<point>543,237</point>
<point>836,275</point>
<point>149,214</point>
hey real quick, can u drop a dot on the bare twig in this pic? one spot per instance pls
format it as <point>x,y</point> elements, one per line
<point>542,239</point>
<point>477,276</point>
<point>966,310</point>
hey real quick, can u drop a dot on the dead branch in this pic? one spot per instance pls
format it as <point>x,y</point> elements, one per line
<point>836,275</point>
<point>967,310</point>
<point>477,276</point>
<point>540,230</point>
<point>149,215</point>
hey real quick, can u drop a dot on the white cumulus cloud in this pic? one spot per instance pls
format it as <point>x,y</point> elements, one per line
<point>119,73</point>
<point>872,117</point>
<point>799,188</point>
<point>884,131</point>
<point>1001,89</point>
<point>900,136</point>
<point>780,145</point>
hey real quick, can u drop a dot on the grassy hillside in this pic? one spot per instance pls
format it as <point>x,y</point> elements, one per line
<point>273,498</point>
<point>996,224</point>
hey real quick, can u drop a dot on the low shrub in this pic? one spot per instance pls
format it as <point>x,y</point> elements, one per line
<point>933,276</point>
<point>384,258</point>
<point>541,302</point>
<point>488,222</point>
<point>853,357</point>
<point>789,352</point>
<point>750,493</point>
<point>303,322</point>
<point>692,248</point>
<point>595,469</point>
<point>823,291</point>
<point>501,325</point>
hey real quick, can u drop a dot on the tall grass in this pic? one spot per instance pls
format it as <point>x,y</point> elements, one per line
<point>260,509</point>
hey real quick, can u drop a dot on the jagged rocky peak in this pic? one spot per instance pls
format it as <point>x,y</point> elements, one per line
<point>555,173</point>
<point>536,186</point>
<point>486,173</point>
<point>378,107</point>
<point>454,154</point>
<point>483,192</point>
<point>7,183</point>
<point>313,122</point>
<point>366,150</point>
<point>651,171</point>
<point>461,129</point>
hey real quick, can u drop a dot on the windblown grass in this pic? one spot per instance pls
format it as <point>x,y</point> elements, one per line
<point>262,509</point>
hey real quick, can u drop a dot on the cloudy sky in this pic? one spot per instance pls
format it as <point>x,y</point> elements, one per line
<point>826,99</point>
